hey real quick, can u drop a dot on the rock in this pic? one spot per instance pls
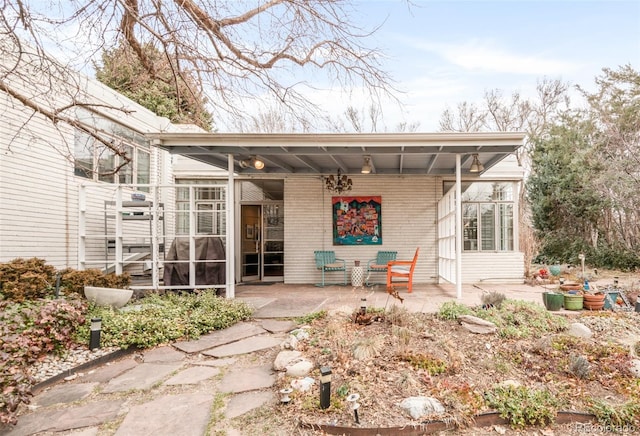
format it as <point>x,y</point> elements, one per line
<point>635,367</point>
<point>300,369</point>
<point>580,330</point>
<point>285,358</point>
<point>417,407</point>
<point>477,325</point>
<point>510,384</point>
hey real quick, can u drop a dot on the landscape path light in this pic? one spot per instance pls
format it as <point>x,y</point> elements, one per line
<point>325,387</point>
<point>353,399</point>
<point>94,338</point>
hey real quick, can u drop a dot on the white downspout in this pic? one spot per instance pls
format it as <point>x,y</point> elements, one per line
<point>231,240</point>
<point>458,230</point>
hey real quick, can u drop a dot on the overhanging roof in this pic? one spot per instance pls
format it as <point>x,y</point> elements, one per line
<point>307,153</point>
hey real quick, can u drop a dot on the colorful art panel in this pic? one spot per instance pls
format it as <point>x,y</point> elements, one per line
<point>357,220</point>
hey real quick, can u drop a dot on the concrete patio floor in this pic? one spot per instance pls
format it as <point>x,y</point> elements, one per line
<point>280,300</point>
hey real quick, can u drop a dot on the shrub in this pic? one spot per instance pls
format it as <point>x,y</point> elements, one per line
<point>74,281</point>
<point>162,319</point>
<point>26,279</point>
<point>523,406</point>
<point>29,331</point>
<point>451,310</point>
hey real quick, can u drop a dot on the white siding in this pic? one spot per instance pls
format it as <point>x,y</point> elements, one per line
<point>38,188</point>
<point>408,222</point>
<point>493,267</point>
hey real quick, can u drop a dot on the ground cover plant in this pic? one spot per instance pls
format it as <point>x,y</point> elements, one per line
<point>527,372</point>
<point>42,312</point>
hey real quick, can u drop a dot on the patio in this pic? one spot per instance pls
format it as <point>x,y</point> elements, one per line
<point>280,300</point>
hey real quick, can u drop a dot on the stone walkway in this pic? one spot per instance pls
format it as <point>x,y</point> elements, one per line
<point>135,393</point>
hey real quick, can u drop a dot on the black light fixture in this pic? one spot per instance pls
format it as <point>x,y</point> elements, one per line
<point>366,166</point>
<point>94,338</point>
<point>476,165</point>
<point>252,162</point>
<point>338,184</point>
<point>325,387</point>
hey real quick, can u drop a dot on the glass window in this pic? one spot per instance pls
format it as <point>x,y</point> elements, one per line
<point>487,215</point>
<point>209,203</point>
<point>470,226</point>
<point>95,160</point>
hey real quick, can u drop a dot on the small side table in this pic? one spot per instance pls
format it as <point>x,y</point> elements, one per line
<point>357,276</point>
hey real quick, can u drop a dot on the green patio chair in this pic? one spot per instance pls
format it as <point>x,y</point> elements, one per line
<point>326,261</point>
<point>379,264</point>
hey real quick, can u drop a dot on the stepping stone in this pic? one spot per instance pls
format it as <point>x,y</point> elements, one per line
<point>216,362</point>
<point>246,402</point>
<point>163,354</point>
<point>247,379</point>
<point>183,414</point>
<point>193,375</point>
<point>110,371</point>
<point>64,393</point>
<point>89,415</point>
<point>234,333</point>
<point>142,377</point>
<point>244,346</point>
<point>277,326</point>
<point>292,307</point>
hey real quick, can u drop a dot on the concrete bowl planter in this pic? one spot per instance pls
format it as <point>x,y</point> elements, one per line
<point>113,297</point>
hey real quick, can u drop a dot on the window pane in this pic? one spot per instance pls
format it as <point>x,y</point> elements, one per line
<point>125,173</point>
<point>488,226</point>
<point>506,227</point>
<point>106,163</point>
<point>470,226</point>
<point>83,154</point>
<point>143,169</point>
<point>204,219</point>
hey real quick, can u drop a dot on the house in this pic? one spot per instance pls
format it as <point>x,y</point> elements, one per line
<point>244,207</point>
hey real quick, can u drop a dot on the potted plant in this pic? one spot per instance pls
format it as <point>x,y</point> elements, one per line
<point>574,300</point>
<point>553,300</point>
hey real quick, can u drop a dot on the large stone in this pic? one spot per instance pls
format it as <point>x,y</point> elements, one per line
<point>243,346</point>
<point>163,354</point>
<point>64,393</point>
<point>277,326</point>
<point>182,414</point>
<point>300,369</point>
<point>193,375</point>
<point>110,371</point>
<point>285,358</point>
<point>246,402</point>
<point>142,377</point>
<point>580,330</point>
<point>417,407</point>
<point>220,337</point>
<point>477,325</point>
<point>69,418</point>
<point>247,379</point>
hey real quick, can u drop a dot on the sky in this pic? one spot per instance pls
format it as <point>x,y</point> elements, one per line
<point>441,53</point>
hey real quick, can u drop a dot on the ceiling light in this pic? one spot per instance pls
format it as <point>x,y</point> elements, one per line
<point>257,163</point>
<point>252,162</point>
<point>476,165</point>
<point>366,167</point>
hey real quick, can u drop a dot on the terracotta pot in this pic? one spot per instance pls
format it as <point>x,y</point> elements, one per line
<point>571,287</point>
<point>593,301</point>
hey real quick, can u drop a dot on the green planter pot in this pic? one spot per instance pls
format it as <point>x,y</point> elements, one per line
<point>552,300</point>
<point>573,302</point>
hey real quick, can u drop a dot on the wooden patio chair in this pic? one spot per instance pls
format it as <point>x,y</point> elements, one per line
<point>401,269</point>
<point>326,261</point>
<point>379,264</point>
